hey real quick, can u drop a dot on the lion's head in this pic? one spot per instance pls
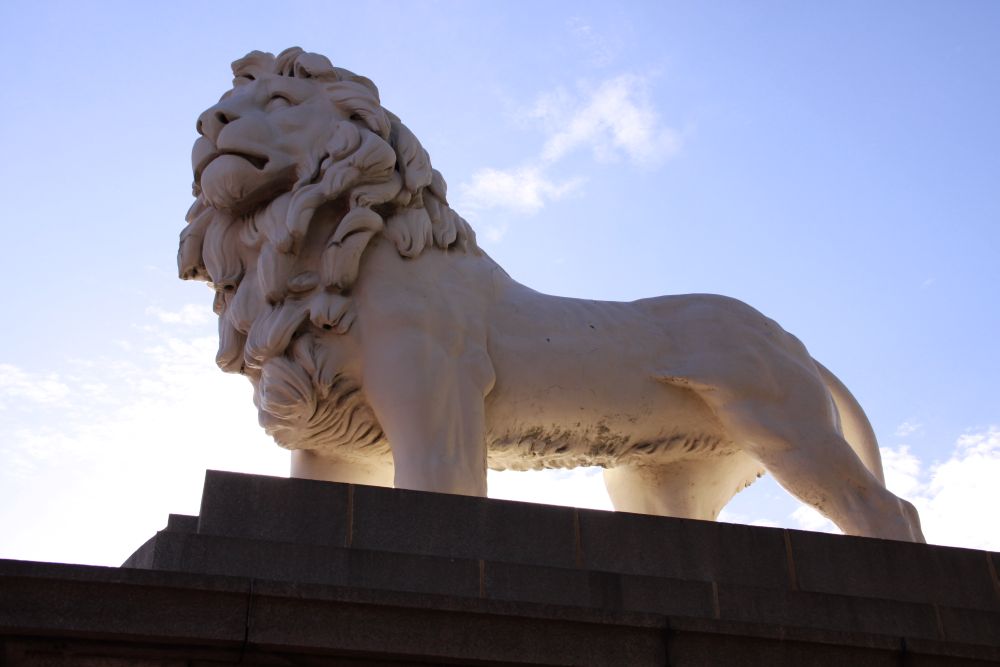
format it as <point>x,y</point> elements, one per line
<point>296,135</point>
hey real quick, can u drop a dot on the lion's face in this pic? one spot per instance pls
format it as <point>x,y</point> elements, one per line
<point>261,137</point>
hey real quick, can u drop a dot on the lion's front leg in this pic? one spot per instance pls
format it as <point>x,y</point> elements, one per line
<point>429,399</point>
<point>311,464</point>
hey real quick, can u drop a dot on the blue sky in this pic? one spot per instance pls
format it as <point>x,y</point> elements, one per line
<point>836,165</point>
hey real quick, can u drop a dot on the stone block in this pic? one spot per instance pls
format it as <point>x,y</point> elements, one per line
<point>682,548</point>
<point>547,585</point>
<point>274,508</point>
<point>661,595</point>
<point>462,526</point>
<point>994,565</point>
<point>828,612</point>
<point>35,653</point>
<point>453,632</point>
<point>969,626</point>
<point>696,649</point>
<point>409,572</point>
<point>144,557</point>
<point>594,589</point>
<point>182,523</point>
<point>216,555</point>
<point>47,599</point>
<point>892,570</point>
<point>930,653</point>
<point>318,564</point>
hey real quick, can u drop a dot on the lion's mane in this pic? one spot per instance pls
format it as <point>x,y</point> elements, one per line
<point>281,307</point>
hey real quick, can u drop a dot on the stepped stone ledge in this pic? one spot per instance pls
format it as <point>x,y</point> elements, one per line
<point>280,571</point>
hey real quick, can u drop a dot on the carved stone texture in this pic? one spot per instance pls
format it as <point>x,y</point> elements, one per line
<point>385,347</point>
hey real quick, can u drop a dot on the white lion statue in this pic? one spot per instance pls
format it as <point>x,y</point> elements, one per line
<point>385,347</point>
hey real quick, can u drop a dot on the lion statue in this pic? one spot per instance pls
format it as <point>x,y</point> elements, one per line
<point>385,347</point>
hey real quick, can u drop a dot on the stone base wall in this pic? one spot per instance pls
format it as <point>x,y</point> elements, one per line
<point>286,571</point>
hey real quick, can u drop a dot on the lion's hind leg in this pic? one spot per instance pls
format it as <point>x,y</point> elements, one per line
<point>771,400</point>
<point>794,435</point>
<point>688,489</point>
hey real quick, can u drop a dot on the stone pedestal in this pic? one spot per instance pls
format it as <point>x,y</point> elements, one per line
<point>291,571</point>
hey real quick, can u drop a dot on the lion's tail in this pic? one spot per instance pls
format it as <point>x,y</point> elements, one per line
<point>857,429</point>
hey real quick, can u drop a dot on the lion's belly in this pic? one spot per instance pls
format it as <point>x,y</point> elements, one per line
<point>564,401</point>
<point>569,427</point>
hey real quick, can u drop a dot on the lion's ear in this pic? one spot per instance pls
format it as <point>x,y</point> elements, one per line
<point>355,99</point>
<point>364,81</point>
<point>254,63</point>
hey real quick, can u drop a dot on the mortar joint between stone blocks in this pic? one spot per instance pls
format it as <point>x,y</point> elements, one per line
<point>716,607</point>
<point>577,539</point>
<point>793,578</point>
<point>940,622</point>
<point>349,531</point>
<point>993,574</point>
<point>247,621</point>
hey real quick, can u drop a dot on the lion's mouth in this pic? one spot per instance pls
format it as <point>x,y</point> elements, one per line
<point>258,161</point>
<point>204,154</point>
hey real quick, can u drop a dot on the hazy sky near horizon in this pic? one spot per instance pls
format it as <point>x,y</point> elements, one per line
<point>835,165</point>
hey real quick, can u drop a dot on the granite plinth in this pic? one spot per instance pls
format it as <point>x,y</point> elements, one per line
<point>300,571</point>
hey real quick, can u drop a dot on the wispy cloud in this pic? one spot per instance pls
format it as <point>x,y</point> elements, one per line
<point>188,314</point>
<point>613,120</point>
<point>729,516</point>
<point>902,470</point>
<point>17,385</point>
<point>908,428</point>
<point>602,49</point>
<point>807,518</point>
<point>524,190</point>
<point>959,497</point>
<point>495,232</point>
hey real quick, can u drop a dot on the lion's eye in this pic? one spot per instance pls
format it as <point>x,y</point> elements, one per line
<point>277,101</point>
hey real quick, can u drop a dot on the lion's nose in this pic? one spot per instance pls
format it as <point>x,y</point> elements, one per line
<point>212,120</point>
